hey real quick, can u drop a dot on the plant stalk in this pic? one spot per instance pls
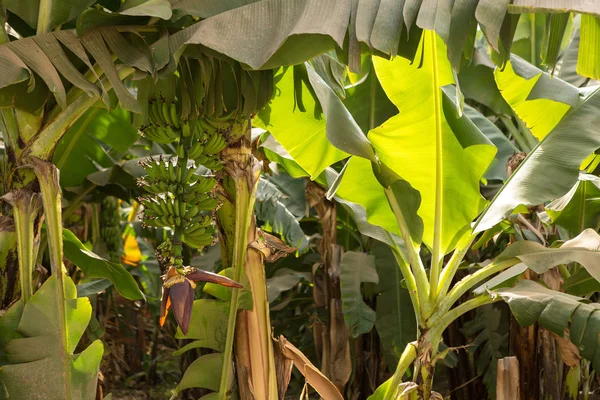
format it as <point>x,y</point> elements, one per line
<point>45,141</point>
<point>450,269</point>
<point>408,356</point>
<point>413,258</point>
<point>48,178</point>
<point>409,279</point>
<point>26,206</point>
<point>437,253</point>
<point>442,323</point>
<point>44,14</point>
<point>516,133</point>
<point>467,283</point>
<point>244,209</point>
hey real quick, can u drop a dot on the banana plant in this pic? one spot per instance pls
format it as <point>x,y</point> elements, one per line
<point>53,315</point>
<point>417,175</point>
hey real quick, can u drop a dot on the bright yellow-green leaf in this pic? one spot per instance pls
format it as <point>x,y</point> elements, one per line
<point>540,115</point>
<point>419,145</point>
<point>360,186</point>
<point>587,60</point>
<point>299,132</point>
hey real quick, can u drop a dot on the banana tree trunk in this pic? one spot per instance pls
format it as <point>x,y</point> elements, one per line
<point>331,340</point>
<point>238,233</point>
<point>9,264</point>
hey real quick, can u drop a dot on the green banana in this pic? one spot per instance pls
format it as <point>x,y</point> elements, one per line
<point>166,113</point>
<point>207,203</point>
<point>213,163</point>
<point>174,116</point>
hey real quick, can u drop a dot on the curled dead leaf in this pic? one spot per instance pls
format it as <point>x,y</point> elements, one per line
<point>568,351</point>
<point>271,247</point>
<point>313,376</point>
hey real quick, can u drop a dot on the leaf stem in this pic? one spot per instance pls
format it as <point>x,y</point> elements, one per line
<point>442,323</point>
<point>44,14</point>
<point>409,278</point>
<point>408,356</point>
<point>465,284</point>
<point>437,251</point>
<point>25,209</point>
<point>516,133</point>
<point>422,284</point>
<point>451,267</point>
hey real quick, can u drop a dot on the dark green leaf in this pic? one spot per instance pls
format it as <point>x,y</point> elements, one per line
<point>290,31</point>
<point>60,11</point>
<point>80,151</point>
<point>581,283</point>
<point>531,302</point>
<point>93,287</point>
<point>93,266</point>
<point>552,167</point>
<point>355,269</point>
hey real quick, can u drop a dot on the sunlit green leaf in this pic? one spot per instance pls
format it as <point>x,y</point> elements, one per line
<point>39,356</point>
<point>420,146</point>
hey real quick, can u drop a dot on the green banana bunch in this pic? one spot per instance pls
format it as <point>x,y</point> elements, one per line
<point>215,143</point>
<point>178,198</point>
<point>164,112</point>
<point>199,237</point>
<point>225,90</point>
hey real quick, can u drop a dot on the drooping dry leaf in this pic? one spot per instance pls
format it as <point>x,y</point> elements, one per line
<point>569,353</point>
<point>313,376</point>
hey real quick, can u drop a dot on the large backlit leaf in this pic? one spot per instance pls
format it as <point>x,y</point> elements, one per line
<point>420,146</point>
<point>301,133</point>
<point>539,100</point>
<point>360,186</point>
<point>531,302</point>
<point>94,266</point>
<point>551,169</point>
<point>38,355</point>
<point>355,269</point>
<point>588,63</point>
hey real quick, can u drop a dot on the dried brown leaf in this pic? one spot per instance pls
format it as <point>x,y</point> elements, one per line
<point>568,351</point>
<point>313,376</point>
